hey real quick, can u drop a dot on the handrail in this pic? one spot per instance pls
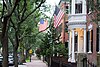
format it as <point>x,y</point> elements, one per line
<point>91,64</point>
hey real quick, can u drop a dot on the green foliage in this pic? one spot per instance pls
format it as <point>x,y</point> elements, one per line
<point>27,59</point>
<point>50,45</point>
<point>61,50</point>
<point>94,6</point>
<point>49,51</point>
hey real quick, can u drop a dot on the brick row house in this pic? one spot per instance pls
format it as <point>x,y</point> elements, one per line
<point>83,32</point>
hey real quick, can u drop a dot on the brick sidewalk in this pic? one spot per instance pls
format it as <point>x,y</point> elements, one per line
<point>35,62</point>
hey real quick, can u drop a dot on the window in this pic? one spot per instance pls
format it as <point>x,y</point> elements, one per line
<point>67,9</point>
<point>98,3</point>
<point>88,38</point>
<point>76,42</point>
<point>98,40</point>
<point>78,8</point>
<point>66,27</point>
<point>90,41</point>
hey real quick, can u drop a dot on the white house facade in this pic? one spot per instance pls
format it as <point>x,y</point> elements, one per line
<point>77,29</point>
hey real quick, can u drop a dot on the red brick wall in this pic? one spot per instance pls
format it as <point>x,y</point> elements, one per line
<point>92,56</point>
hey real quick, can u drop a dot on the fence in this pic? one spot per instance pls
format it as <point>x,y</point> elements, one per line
<point>61,62</point>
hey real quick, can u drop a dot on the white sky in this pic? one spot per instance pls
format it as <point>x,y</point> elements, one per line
<point>52,3</point>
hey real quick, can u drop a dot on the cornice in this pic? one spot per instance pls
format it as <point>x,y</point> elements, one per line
<point>76,23</point>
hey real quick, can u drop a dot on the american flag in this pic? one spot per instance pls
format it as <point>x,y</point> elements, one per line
<point>58,14</point>
<point>43,25</point>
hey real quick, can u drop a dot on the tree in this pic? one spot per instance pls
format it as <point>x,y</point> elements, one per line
<point>15,13</point>
<point>94,7</point>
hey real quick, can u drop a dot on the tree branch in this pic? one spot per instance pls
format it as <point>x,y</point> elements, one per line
<point>24,10</point>
<point>31,13</point>
<point>15,5</point>
<point>11,40</point>
<point>13,23</point>
<point>4,5</point>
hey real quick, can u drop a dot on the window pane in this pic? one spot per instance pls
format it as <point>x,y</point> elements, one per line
<point>78,8</point>
<point>67,9</point>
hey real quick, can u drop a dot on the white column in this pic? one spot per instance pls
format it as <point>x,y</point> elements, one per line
<point>84,40</point>
<point>84,7</point>
<point>73,7</point>
<point>78,43</point>
<point>73,43</point>
<point>90,42</point>
<point>69,47</point>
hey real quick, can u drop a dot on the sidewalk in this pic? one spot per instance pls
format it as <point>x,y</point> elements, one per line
<point>35,62</point>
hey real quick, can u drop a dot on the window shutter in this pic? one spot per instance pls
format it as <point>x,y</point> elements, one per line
<point>76,42</point>
<point>66,44</point>
<point>97,41</point>
<point>87,46</point>
<point>92,40</point>
<point>87,6</point>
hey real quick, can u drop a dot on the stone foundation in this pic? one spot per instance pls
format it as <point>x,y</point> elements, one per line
<point>98,60</point>
<point>81,60</point>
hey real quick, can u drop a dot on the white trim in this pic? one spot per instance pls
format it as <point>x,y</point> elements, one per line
<point>76,26</point>
<point>73,44</point>
<point>99,52</point>
<point>73,7</point>
<point>89,52</point>
<point>84,40</point>
<point>69,46</point>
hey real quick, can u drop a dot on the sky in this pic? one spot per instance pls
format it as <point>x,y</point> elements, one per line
<point>52,3</point>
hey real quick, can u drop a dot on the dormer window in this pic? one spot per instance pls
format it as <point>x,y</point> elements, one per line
<point>78,8</point>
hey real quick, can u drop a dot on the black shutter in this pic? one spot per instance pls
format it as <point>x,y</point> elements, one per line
<point>87,46</point>
<point>97,41</point>
<point>66,44</point>
<point>76,42</point>
<point>88,6</point>
<point>92,40</point>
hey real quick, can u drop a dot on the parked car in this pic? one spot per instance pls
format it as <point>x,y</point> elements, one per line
<point>11,60</point>
<point>1,59</point>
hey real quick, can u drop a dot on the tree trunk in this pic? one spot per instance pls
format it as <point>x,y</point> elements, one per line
<point>27,53</point>
<point>4,42</point>
<point>22,59</point>
<point>23,56</point>
<point>15,58</point>
<point>15,49</point>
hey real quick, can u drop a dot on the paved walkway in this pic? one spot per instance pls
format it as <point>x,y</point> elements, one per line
<point>35,62</point>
